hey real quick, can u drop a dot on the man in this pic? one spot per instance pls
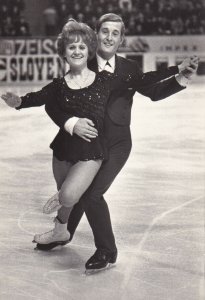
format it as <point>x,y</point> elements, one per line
<point>128,80</point>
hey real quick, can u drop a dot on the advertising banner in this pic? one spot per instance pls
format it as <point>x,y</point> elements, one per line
<point>28,46</point>
<point>36,59</point>
<point>131,43</point>
<point>164,44</point>
<point>30,68</point>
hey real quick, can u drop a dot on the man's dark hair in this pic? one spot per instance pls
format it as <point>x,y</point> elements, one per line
<point>110,18</point>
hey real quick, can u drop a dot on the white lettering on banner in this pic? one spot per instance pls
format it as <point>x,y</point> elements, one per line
<point>30,68</point>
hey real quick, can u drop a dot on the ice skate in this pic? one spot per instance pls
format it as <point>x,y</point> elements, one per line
<point>95,271</point>
<point>55,237</point>
<point>52,205</point>
<point>50,246</point>
<point>100,261</point>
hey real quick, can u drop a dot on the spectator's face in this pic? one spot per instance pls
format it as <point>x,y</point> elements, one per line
<point>109,39</point>
<point>76,54</point>
<point>4,8</point>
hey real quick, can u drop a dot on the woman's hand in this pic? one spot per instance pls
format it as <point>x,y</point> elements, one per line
<point>11,100</point>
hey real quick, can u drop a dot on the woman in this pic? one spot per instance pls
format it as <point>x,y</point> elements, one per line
<point>83,93</point>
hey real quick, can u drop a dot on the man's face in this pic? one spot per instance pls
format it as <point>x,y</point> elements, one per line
<point>109,39</point>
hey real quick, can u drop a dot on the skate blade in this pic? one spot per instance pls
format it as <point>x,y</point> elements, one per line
<point>96,271</point>
<point>47,247</point>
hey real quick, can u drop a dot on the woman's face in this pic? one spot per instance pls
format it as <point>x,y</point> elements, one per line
<point>76,54</point>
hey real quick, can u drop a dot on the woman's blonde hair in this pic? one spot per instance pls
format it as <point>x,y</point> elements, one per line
<point>72,32</point>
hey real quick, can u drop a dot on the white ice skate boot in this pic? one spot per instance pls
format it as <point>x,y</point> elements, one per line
<point>59,235</point>
<point>52,205</point>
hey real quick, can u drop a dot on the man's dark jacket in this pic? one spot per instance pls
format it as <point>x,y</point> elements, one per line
<point>128,79</point>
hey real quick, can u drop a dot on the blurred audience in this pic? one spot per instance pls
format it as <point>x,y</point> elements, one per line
<point>51,20</point>
<point>12,21</point>
<point>150,17</point>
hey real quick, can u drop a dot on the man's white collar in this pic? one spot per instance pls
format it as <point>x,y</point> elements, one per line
<point>102,62</point>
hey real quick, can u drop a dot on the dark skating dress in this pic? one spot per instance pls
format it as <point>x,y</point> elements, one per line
<point>89,102</point>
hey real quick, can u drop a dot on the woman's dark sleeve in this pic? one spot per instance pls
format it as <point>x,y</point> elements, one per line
<point>54,111</point>
<point>38,98</point>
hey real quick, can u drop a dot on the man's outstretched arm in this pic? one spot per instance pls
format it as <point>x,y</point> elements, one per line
<point>165,88</point>
<point>153,77</point>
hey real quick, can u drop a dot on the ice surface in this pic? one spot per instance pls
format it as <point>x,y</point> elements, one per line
<point>156,205</point>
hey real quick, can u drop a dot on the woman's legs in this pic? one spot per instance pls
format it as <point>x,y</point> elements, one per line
<point>67,176</point>
<point>60,171</point>
<point>78,179</point>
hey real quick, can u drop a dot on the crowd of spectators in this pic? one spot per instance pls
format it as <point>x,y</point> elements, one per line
<point>12,21</point>
<point>141,17</point>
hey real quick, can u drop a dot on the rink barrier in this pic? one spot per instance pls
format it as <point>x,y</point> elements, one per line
<point>43,68</point>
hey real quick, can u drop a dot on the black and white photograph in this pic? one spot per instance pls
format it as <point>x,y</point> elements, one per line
<point>102,149</point>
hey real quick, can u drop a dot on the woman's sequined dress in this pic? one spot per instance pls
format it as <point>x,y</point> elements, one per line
<point>89,102</point>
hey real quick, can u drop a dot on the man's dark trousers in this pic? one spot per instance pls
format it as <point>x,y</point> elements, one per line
<point>93,202</point>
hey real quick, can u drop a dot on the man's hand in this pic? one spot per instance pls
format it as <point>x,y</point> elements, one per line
<point>185,63</point>
<point>11,100</point>
<point>85,129</point>
<point>189,66</point>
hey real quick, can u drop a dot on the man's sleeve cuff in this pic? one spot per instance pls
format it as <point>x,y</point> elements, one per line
<point>69,125</point>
